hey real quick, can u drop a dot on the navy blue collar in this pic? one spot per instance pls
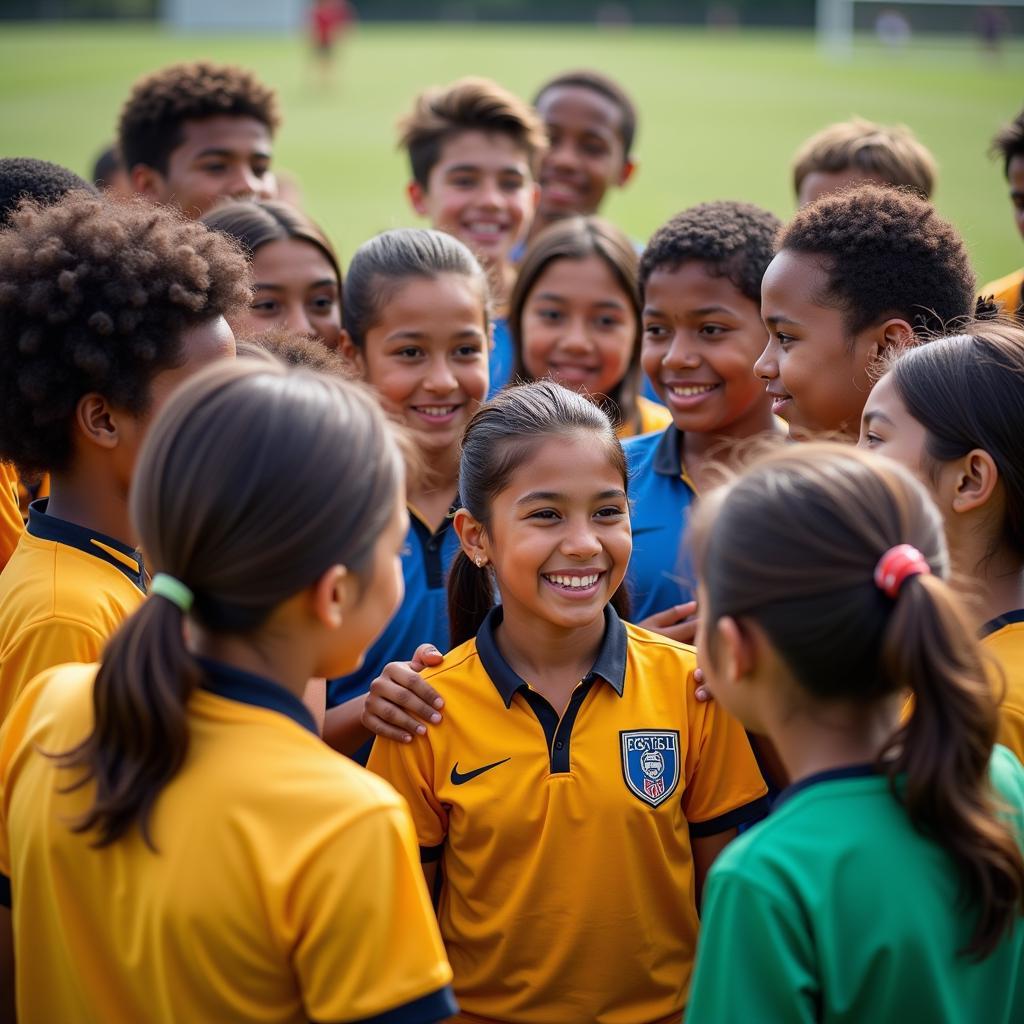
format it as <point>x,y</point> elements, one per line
<point>60,531</point>
<point>609,666</point>
<point>852,771</point>
<point>249,688</point>
<point>668,456</point>
<point>996,624</point>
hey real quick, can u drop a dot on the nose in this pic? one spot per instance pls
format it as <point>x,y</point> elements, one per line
<point>575,338</point>
<point>439,379</point>
<point>246,184</point>
<point>681,354</point>
<point>489,195</point>
<point>297,320</point>
<point>580,540</point>
<point>767,365</point>
<point>562,155</point>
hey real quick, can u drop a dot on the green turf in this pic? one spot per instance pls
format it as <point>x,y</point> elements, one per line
<point>721,114</point>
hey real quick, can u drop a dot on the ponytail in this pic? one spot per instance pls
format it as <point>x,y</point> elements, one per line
<point>140,737</point>
<point>938,761</point>
<point>470,598</point>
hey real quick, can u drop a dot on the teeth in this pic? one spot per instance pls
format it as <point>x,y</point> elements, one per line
<point>575,582</point>
<point>436,410</point>
<point>690,390</point>
<point>485,229</point>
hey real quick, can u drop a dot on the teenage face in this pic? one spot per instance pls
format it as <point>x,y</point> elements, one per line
<point>1015,177</point>
<point>218,158</point>
<point>888,428</point>
<point>816,374</point>
<point>821,183</point>
<point>579,326</point>
<point>559,539</point>
<point>481,190</point>
<point>586,156</point>
<point>427,358</point>
<point>294,287</point>
<point>701,335</point>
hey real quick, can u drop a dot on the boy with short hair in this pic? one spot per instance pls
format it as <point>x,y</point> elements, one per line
<point>1008,292</point>
<point>104,309</point>
<point>474,149</point>
<point>858,151</point>
<point>193,134</point>
<point>858,274</point>
<point>591,124</point>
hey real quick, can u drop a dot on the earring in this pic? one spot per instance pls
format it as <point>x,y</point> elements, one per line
<point>480,561</point>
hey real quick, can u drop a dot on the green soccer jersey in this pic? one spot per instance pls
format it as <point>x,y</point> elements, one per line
<point>834,909</point>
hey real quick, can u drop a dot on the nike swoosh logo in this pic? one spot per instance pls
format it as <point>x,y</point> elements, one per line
<point>458,778</point>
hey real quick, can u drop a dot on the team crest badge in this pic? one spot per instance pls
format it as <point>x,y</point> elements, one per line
<point>650,763</point>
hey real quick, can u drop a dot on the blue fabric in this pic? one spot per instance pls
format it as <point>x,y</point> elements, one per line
<point>502,358</point>
<point>659,571</point>
<point>422,618</point>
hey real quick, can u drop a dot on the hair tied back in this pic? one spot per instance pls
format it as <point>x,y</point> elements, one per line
<point>896,566</point>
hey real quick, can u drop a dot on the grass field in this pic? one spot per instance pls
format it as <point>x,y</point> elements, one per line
<point>721,115</point>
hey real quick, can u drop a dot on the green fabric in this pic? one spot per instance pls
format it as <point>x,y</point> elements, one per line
<point>834,909</point>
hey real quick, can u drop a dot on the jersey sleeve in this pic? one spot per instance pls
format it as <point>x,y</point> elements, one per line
<point>724,787</point>
<point>755,962</point>
<point>12,526</point>
<point>409,767</point>
<point>369,948</point>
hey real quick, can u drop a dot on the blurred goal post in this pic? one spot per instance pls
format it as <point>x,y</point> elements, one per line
<point>834,18</point>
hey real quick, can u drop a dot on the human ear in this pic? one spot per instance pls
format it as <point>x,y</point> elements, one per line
<point>334,593</point>
<point>418,197</point>
<point>148,181</point>
<point>976,480</point>
<point>895,334</point>
<point>352,353</point>
<point>627,172</point>
<point>96,421</point>
<point>735,649</point>
<point>472,536</point>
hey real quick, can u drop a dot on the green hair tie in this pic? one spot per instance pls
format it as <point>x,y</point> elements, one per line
<point>174,590</point>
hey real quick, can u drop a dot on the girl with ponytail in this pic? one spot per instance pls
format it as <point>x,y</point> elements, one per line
<point>176,842</point>
<point>575,792</point>
<point>952,412</point>
<point>888,882</point>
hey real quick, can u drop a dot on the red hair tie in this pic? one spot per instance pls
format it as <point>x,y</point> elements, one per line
<point>896,566</point>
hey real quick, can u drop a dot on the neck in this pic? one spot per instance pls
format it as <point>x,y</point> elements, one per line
<point>434,494</point>
<point>266,654</point>
<point>501,276</point>
<point>541,651</point>
<point>104,510</point>
<point>1000,580</point>
<point>721,446</point>
<point>820,737</point>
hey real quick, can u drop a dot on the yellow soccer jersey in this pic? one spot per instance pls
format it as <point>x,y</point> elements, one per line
<point>63,593</point>
<point>652,417</point>
<point>12,525</point>
<point>564,841</point>
<point>285,886</point>
<point>1006,291</point>
<point>1004,638</point>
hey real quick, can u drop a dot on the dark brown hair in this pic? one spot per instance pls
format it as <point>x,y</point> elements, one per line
<point>1009,142</point>
<point>793,544</point>
<point>256,224</point>
<point>295,350</point>
<point>500,438</point>
<point>153,118</point>
<point>208,505</point>
<point>96,296</point>
<point>968,392</point>
<point>579,238</point>
<point>587,78</point>
<point>468,105</point>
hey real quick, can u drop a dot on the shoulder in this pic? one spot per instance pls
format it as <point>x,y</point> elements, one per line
<point>654,645</point>
<point>640,449</point>
<point>459,663</point>
<point>1005,289</point>
<point>54,710</point>
<point>1007,776</point>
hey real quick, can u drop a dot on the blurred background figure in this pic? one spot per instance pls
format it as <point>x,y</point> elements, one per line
<point>329,22</point>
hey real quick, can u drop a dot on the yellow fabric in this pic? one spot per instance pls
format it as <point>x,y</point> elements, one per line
<point>57,604</point>
<point>286,886</point>
<point>1006,291</point>
<point>1007,646</point>
<point>653,417</point>
<point>566,897</point>
<point>12,522</point>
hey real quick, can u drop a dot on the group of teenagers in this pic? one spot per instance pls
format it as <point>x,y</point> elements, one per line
<point>672,596</point>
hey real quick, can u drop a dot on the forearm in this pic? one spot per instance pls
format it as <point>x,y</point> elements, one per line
<point>343,726</point>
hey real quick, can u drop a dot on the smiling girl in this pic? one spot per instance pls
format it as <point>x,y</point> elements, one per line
<point>574,316</point>
<point>417,329</point>
<point>575,793</point>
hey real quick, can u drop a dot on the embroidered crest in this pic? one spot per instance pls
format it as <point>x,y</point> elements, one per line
<point>650,763</point>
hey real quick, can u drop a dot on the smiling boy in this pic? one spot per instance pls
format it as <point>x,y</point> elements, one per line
<point>191,135</point>
<point>473,152</point>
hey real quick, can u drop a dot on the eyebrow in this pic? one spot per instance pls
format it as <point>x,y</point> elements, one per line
<point>610,303</point>
<point>780,319</point>
<point>220,151</point>
<point>281,287</point>
<point>873,414</point>
<point>533,496</point>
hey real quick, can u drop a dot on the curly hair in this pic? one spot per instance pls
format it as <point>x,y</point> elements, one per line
<point>595,81</point>
<point>152,119</point>
<point>732,240</point>
<point>95,296</point>
<point>296,350</point>
<point>1009,142</point>
<point>23,177</point>
<point>468,105</point>
<point>887,253</point>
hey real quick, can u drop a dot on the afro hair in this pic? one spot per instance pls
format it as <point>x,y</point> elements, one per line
<point>22,177</point>
<point>95,297</point>
<point>887,254</point>
<point>732,240</point>
<point>152,119</point>
<point>297,350</point>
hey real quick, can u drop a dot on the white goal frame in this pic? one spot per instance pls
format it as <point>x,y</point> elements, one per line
<point>834,19</point>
